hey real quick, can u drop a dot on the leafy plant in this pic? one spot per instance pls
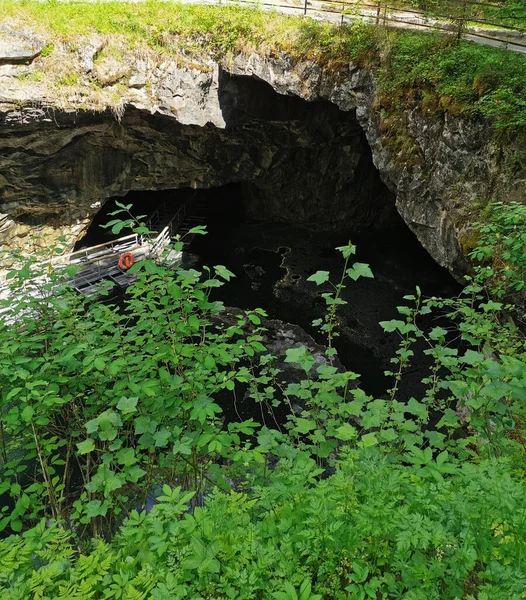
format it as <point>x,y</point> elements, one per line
<point>126,478</point>
<point>502,248</point>
<point>101,402</point>
<point>375,528</point>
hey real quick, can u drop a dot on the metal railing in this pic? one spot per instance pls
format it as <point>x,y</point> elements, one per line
<point>168,231</point>
<point>96,263</point>
<point>462,25</point>
<point>94,253</point>
<point>161,241</point>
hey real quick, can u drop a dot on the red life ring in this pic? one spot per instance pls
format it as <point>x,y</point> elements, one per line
<point>126,260</point>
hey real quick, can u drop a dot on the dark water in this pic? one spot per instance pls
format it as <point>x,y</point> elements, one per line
<point>273,261</point>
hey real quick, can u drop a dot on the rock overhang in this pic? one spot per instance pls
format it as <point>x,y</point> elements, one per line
<point>455,167</point>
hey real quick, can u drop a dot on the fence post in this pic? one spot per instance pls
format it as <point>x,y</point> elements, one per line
<point>305,8</point>
<point>462,19</point>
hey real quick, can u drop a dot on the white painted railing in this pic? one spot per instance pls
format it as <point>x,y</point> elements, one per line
<point>96,263</point>
<point>96,252</point>
<point>160,242</point>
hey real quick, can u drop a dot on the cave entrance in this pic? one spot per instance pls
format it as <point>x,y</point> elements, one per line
<point>299,162</point>
<point>272,262</point>
<point>307,184</point>
<point>156,208</point>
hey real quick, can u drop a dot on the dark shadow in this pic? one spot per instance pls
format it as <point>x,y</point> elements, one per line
<point>213,202</point>
<point>313,151</point>
<point>243,99</point>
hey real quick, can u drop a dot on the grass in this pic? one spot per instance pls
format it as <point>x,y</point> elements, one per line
<point>412,68</point>
<point>149,23</point>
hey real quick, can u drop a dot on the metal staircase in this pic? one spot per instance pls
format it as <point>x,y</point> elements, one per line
<point>98,266</point>
<point>197,216</point>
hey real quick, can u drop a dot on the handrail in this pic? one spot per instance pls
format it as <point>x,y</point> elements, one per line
<point>429,15</point>
<point>464,26</point>
<point>95,261</point>
<point>154,219</point>
<point>86,251</point>
<point>160,240</point>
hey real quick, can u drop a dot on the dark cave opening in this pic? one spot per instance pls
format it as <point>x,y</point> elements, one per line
<point>283,158</point>
<point>305,183</point>
<point>227,199</point>
<point>272,262</point>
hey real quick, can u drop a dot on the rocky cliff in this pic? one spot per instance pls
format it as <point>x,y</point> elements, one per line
<point>310,146</point>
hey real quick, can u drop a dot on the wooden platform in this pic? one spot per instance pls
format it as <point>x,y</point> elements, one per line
<point>97,267</point>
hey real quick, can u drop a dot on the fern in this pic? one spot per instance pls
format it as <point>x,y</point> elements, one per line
<point>59,547</point>
<point>132,593</point>
<point>45,579</point>
<point>14,552</point>
<point>72,591</point>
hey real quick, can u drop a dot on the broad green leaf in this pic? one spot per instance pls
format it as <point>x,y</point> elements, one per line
<point>319,277</point>
<point>254,319</point>
<point>27,413</point>
<point>417,408</point>
<point>472,358</point>
<point>209,362</point>
<point>135,473</point>
<point>223,272</point>
<point>145,424</point>
<point>198,229</point>
<point>86,446</point>
<point>347,250</point>
<point>182,447</point>
<point>346,432</point>
<point>359,270</point>
<point>161,437</point>
<point>300,356</point>
<point>304,425</point>
<point>95,508</point>
<point>392,325</point>
<point>369,439</point>
<point>127,405</point>
<point>126,457</point>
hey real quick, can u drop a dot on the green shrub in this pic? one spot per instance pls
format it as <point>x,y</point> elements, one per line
<point>465,78</point>
<point>374,529</point>
<point>106,409</point>
<point>355,497</point>
<point>99,400</point>
<point>502,244</point>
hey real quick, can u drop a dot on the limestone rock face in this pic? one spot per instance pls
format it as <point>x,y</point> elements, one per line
<point>308,145</point>
<point>18,47</point>
<point>300,162</point>
<point>456,165</point>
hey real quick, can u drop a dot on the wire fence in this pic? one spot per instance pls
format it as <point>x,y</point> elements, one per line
<point>464,22</point>
<point>461,13</point>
